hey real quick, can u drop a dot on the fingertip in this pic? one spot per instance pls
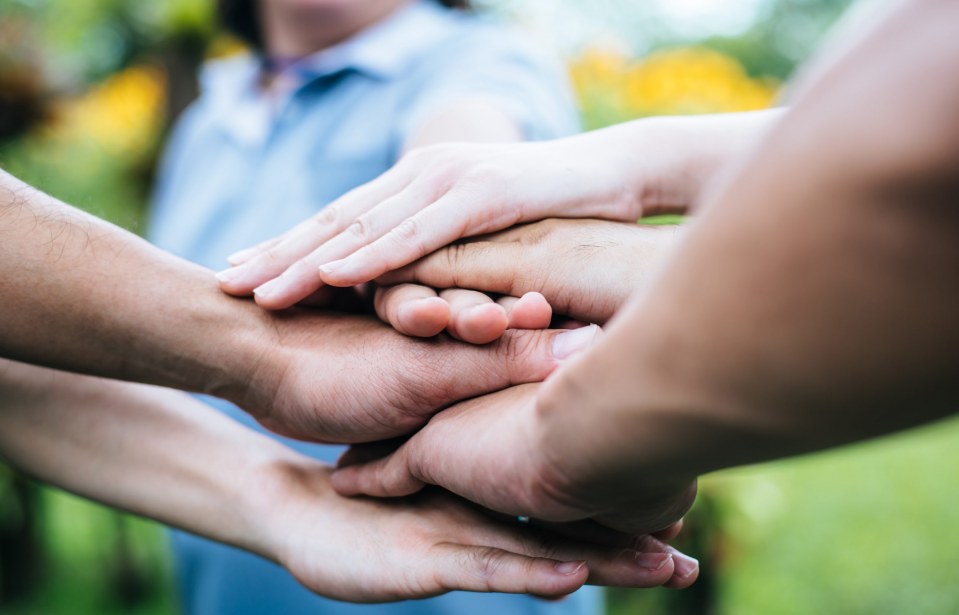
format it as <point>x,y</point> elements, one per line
<point>344,482</point>
<point>271,299</point>
<point>560,578</point>
<point>685,570</point>
<point>425,317</point>
<point>481,324</point>
<point>344,272</point>
<point>531,311</point>
<point>232,281</point>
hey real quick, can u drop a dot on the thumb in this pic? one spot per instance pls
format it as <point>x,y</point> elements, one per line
<point>531,356</point>
<point>386,477</point>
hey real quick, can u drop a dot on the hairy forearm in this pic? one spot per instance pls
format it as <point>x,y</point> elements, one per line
<point>150,451</point>
<point>814,302</point>
<point>83,295</point>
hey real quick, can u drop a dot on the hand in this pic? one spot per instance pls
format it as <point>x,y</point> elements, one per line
<point>433,543</point>
<point>432,197</point>
<point>419,311</point>
<point>466,315</point>
<point>439,194</point>
<point>488,450</point>
<point>585,269</point>
<point>338,378</point>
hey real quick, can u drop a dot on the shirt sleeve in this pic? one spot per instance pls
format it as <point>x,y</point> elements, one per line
<point>494,63</point>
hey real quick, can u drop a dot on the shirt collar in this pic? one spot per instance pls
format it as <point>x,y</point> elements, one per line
<point>386,49</point>
<point>383,51</point>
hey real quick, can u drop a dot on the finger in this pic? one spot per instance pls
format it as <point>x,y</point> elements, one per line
<point>522,356</point>
<point>303,275</point>
<point>270,262</point>
<point>371,451</point>
<point>241,256</point>
<point>481,265</point>
<point>442,223</point>
<point>412,309</point>
<point>474,317</point>
<point>686,570</point>
<point>385,478</point>
<point>650,566</point>
<point>488,569</point>
<point>531,311</point>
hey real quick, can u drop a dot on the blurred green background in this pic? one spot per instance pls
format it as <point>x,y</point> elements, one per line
<point>87,90</point>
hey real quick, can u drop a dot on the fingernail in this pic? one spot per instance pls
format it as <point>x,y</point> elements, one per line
<point>228,275</point>
<point>568,343</point>
<point>653,561</point>
<point>685,565</point>
<point>569,568</point>
<point>265,290</point>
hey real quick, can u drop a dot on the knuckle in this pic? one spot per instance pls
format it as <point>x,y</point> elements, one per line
<point>517,345</point>
<point>360,228</point>
<point>485,174</point>
<point>408,230</point>
<point>455,255</point>
<point>328,216</point>
<point>487,562</point>
<point>539,546</point>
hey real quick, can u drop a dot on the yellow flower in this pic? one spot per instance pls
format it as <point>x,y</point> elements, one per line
<point>122,115</point>
<point>679,81</point>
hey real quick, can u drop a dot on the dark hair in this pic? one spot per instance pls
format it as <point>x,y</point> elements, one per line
<point>240,17</point>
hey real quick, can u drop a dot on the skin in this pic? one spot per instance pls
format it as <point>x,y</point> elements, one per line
<point>439,194</point>
<point>161,454</point>
<point>299,28</point>
<point>275,366</point>
<point>585,269</point>
<point>828,318</point>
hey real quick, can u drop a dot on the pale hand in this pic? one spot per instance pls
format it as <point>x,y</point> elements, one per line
<point>432,197</point>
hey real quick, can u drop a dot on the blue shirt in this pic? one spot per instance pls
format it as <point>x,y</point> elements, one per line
<point>240,168</point>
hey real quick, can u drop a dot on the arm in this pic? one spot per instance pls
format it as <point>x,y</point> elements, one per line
<point>82,295</point>
<point>437,195</point>
<point>827,318</point>
<point>161,454</point>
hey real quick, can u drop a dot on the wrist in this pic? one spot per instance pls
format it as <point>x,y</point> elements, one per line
<point>602,436</point>
<point>277,489</point>
<point>223,346</point>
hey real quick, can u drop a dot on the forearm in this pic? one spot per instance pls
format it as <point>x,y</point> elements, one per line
<point>814,302</point>
<point>668,161</point>
<point>83,295</point>
<point>150,451</point>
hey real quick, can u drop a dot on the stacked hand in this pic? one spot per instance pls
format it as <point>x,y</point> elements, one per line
<point>434,542</point>
<point>500,439</point>
<point>432,197</point>
<point>342,378</point>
